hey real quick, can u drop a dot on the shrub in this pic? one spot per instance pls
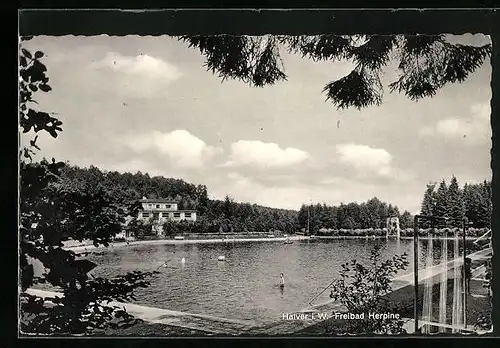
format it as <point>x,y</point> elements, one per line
<point>363,289</point>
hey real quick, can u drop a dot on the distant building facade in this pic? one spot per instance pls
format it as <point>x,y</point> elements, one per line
<point>159,211</point>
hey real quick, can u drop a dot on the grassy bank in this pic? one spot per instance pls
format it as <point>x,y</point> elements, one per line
<point>401,301</point>
<point>144,329</point>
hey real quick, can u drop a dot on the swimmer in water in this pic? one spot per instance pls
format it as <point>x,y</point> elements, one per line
<point>282,281</point>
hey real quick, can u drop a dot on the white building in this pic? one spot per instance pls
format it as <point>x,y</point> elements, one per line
<point>159,211</point>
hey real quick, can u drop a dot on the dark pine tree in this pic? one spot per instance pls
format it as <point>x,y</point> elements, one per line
<point>406,220</point>
<point>442,201</point>
<point>455,203</point>
<point>429,202</point>
<point>486,204</point>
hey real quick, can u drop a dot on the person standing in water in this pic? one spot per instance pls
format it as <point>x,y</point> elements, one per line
<point>282,281</point>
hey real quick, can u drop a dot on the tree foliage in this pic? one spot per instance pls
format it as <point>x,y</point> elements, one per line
<point>473,201</point>
<point>429,201</point>
<point>425,63</point>
<point>227,215</point>
<point>362,289</point>
<point>406,220</point>
<point>371,214</point>
<point>442,204</point>
<point>213,215</point>
<point>456,206</point>
<point>33,78</point>
<point>54,209</point>
<point>140,229</point>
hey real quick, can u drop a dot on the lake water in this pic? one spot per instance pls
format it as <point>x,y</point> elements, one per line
<point>244,286</point>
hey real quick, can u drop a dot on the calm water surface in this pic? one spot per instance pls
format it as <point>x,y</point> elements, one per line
<point>245,285</point>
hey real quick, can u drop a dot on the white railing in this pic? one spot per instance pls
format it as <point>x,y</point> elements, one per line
<point>482,237</point>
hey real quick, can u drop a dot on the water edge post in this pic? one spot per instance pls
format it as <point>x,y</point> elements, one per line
<point>415,269</point>
<point>427,303</point>
<point>443,287</point>
<point>464,223</point>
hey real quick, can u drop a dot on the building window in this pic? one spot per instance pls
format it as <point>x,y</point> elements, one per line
<point>156,216</point>
<point>177,215</point>
<point>150,205</point>
<point>145,215</point>
<point>188,215</point>
<point>167,206</point>
<point>157,206</point>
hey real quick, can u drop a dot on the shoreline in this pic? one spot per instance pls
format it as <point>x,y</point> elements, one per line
<point>85,247</point>
<point>390,237</point>
<point>186,241</point>
<point>155,315</point>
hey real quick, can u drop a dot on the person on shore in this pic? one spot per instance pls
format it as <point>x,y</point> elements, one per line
<point>282,281</point>
<point>487,277</point>
<point>467,274</point>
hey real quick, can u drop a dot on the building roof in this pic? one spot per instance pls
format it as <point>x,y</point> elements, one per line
<point>157,200</point>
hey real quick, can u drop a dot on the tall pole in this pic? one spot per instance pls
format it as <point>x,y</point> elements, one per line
<point>415,269</point>
<point>464,224</point>
<point>308,217</point>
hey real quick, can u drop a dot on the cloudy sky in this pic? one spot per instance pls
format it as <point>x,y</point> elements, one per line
<point>147,104</point>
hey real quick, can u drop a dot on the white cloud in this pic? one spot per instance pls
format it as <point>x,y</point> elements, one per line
<point>368,161</point>
<point>481,111</point>
<point>184,149</point>
<point>475,128</point>
<point>261,154</point>
<point>363,157</point>
<point>139,76</point>
<point>333,181</point>
<point>246,189</point>
<point>141,65</point>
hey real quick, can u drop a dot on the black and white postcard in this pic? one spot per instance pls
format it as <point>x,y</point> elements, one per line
<point>275,185</point>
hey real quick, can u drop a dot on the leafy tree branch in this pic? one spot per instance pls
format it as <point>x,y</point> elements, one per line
<point>54,209</point>
<point>425,63</point>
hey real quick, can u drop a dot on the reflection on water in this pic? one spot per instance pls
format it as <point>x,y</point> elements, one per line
<point>245,285</point>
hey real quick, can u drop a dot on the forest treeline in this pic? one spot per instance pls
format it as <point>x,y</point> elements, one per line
<point>372,214</point>
<point>213,215</point>
<point>472,200</point>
